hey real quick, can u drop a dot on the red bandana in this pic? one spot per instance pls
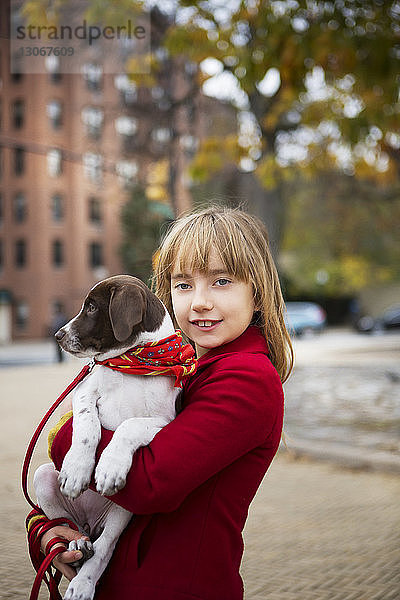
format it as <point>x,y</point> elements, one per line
<point>165,357</point>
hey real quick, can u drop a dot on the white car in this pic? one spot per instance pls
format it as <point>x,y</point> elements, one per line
<point>304,317</point>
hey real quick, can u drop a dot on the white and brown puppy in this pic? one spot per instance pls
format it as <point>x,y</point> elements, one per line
<point>117,314</point>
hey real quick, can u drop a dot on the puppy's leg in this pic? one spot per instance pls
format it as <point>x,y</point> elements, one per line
<point>82,587</point>
<point>116,458</point>
<point>50,499</point>
<point>79,461</point>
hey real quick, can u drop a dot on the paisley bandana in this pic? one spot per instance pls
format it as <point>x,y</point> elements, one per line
<point>169,356</point>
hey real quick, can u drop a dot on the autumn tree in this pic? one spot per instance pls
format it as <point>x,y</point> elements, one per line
<point>341,236</point>
<point>316,91</point>
<point>318,81</point>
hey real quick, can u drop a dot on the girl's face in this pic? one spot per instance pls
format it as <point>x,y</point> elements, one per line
<point>211,308</point>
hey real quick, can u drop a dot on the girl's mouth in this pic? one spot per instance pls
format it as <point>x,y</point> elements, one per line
<point>205,324</point>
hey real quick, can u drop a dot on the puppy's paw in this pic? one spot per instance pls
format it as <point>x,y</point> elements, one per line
<point>110,474</point>
<point>85,546</point>
<point>80,588</point>
<point>74,477</point>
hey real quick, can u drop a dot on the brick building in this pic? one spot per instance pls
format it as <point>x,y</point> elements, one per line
<point>70,146</point>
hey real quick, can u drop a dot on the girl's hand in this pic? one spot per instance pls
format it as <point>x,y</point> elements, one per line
<point>62,560</point>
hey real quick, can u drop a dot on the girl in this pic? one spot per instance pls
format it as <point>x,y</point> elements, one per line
<point>191,488</point>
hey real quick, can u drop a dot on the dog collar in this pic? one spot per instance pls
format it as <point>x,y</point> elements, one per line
<point>168,356</point>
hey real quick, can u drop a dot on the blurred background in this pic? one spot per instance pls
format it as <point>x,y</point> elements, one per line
<point>288,108</point>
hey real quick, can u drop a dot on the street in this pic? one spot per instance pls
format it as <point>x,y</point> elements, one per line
<point>343,399</point>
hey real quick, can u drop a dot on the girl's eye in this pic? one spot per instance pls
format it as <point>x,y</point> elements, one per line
<point>182,286</point>
<point>222,282</point>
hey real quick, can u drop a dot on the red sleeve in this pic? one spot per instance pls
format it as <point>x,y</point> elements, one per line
<point>233,410</point>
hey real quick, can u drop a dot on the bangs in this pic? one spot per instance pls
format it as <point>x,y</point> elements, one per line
<point>192,246</point>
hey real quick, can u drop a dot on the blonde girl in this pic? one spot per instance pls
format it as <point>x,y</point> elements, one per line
<point>241,242</point>
<point>191,488</point>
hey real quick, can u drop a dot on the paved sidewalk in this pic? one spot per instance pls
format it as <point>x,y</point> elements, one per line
<point>319,532</point>
<point>316,531</point>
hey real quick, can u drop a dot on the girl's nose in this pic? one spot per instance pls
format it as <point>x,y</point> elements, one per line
<point>201,301</point>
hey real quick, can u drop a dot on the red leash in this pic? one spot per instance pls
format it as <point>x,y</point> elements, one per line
<point>28,456</point>
<point>43,566</point>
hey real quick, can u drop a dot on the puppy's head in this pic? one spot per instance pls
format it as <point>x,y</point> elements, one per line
<point>113,315</point>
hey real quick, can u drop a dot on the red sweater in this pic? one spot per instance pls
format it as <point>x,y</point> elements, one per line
<point>191,488</point>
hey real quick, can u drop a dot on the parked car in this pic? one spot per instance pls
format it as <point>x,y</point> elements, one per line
<point>304,317</point>
<point>390,319</point>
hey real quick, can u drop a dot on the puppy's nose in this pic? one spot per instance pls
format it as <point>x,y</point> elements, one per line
<point>60,334</point>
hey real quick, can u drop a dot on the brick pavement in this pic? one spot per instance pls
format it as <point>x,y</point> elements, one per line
<point>318,531</point>
<point>315,532</point>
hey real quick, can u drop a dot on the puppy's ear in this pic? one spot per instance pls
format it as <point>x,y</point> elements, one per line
<point>126,309</point>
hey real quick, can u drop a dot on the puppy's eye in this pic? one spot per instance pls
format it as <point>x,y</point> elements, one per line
<point>91,308</point>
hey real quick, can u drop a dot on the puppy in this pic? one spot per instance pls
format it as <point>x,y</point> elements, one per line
<point>118,314</point>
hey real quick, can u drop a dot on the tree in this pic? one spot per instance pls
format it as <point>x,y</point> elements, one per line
<point>330,67</point>
<point>317,90</point>
<point>142,222</point>
<point>341,236</point>
<point>319,82</point>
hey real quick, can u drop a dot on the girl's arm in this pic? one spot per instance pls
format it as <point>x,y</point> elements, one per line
<point>237,408</point>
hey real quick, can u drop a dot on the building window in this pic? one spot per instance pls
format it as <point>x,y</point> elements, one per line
<point>127,88</point>
<point>54,113</point>
<point>52,64</point>
<point>19,161</point>
<point>57,207</point>
<point>54,163</point>
<point>21,314</point>
<point>92,166</point>
<point>92,118</point>
<point>55,77</point>
<point>58,253</point>
<point>126,171</point>
<point>95,211</point>
<point>95,255</point>
<point>93,75</point>
<point>18,114</point>
<point>161,135</point>
<point>16,77</point>
<point>189,143</point>
<point>20,254</point>
<point>127,127</point>
<point>58,307</point>
<point>20,207</point>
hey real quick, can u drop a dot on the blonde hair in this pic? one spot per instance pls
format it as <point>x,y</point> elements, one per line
<point>241,241</point>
